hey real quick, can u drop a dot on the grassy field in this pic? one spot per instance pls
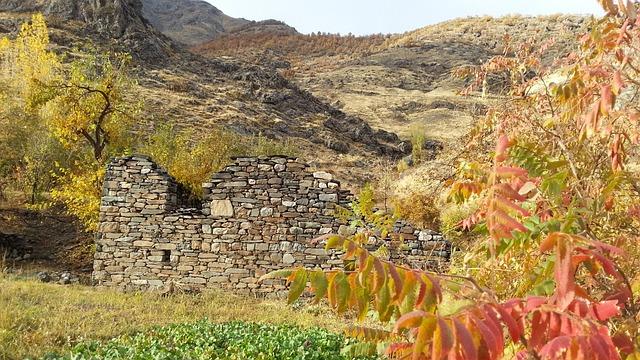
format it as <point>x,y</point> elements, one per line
<point>37,318</point>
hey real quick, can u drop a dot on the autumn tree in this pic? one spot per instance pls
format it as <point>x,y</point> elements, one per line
<point>557,193</point>
<point>88,106</point>
<point>28,150</point>
<point>63,119</point>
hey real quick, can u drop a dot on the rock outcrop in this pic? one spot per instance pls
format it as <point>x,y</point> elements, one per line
<point>107,20</point>
<point>193,22</point>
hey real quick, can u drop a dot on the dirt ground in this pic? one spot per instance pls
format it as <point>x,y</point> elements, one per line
<point>33,241</point>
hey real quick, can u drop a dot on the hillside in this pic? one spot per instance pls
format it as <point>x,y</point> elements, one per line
<point>199,93</point>
<point>193,22</point>
<point>401,83</point>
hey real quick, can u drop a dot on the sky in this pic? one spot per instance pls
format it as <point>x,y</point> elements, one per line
<point>362,17</point>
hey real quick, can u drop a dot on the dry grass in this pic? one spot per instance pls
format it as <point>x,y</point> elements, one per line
<point>37,318</point>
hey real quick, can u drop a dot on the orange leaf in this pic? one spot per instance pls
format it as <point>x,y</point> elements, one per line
<point>397,281</point>
<point>410,320</point>
<point>504,219</point>
<point>465,340</point>
<point>380,275</point>
<point>607,99</point>
<point>508,205</point>
<point>550,241</point>
<point>442,340</point>
<point>507,191</point>
<point>425,332</point>
<point>409,285</point>
<point>618,83</point>
<point>508,172</point>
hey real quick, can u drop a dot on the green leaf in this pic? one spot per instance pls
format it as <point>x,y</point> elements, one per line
<point>298,285</point>
<point>334,242</point>
<point>278,274</point>
<point>384,303</point>
<point>319,283</point>
<point>343,290</point>
<point>554,185</point>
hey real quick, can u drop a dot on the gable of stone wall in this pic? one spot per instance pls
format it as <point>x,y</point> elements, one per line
<point>259,214</point>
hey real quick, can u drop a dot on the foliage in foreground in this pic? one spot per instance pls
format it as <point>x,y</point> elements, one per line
<point>229,341</point>
<point>559,191</point>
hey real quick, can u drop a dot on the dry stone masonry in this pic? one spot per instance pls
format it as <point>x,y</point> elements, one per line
<point>258,215</point>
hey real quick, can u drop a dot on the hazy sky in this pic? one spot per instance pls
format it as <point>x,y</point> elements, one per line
<point>388,16</point>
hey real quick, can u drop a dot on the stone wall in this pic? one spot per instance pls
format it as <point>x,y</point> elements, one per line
<point>258,215</point>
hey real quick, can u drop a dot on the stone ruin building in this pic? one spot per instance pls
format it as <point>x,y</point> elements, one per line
<point>258,215</point>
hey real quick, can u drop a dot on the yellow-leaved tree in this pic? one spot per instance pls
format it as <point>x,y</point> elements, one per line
<point>28,150</point>
<point>64,119</point>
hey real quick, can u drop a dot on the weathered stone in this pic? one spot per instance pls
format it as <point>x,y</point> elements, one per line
<point>328,197</point>
<point>318,252</point>
<point>288,259</point>
<point>221,208</point>
<point>296,230</point>
<point>142,243</point>
<point>166,246</point>
<point>266,211</point>
<point>345,230</point>
<point>323,175</point>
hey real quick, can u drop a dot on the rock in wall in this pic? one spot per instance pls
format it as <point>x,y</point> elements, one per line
<point>258,215</point>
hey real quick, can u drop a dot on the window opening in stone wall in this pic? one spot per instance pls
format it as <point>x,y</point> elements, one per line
<point>166,256</point>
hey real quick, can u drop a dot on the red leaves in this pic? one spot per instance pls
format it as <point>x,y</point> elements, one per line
<point>466,348</point>
<point>569,255</point>
<point>508,172</point>
<point>607,99</point>
<point>501,148</point>
<point>595,346</point>
<point>477,332</point>
<point>606,310</point>
<point>618,83</point>
<point>564,274</point>
<point>380,277</point>
<point>510,185</point>
<point>617,153</point>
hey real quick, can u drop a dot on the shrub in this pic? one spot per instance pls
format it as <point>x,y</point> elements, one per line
<point>235,340</point>
<point>556,202</point>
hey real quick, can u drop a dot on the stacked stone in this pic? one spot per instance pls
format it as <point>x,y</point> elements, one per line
<point>136,193</point>
<point>266,210</point>
<point>259,214</point>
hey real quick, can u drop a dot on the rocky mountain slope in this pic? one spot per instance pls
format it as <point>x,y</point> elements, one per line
<point>193,22</point>
<point>201,93</point>
<point>402,83</point>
